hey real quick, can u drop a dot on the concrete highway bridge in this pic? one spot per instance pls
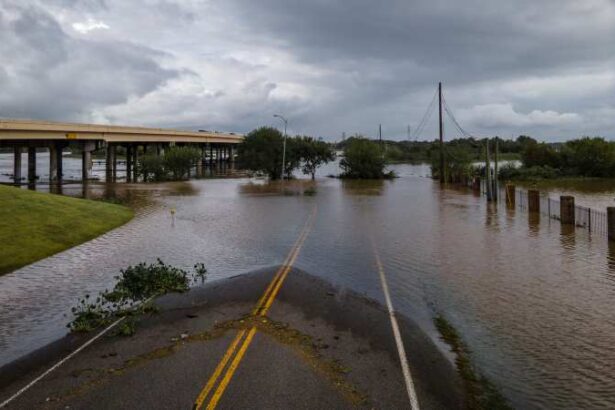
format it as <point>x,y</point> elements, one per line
<point>30,135</point>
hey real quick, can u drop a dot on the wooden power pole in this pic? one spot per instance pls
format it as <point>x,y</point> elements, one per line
<point>441,133</point>
<point>488,183</point>
<point>496,171</point>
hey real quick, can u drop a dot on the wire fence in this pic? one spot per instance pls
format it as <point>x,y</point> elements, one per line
<point>587,218</point>
<point>594,221</point>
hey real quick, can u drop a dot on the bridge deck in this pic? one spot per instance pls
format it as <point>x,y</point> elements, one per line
<point>12,130</point>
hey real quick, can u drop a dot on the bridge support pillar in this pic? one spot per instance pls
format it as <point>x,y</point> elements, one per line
<point>128,162</point>
<point>31,164</point>
<point>110,163</point>
<point>566,210</point>
<point>135,163</point>
<point>17,165</point>
<point>199,165</point>
<point>114,163</point>
<point>53,162</point>
<point>59,167</point>
<point>86,160</point>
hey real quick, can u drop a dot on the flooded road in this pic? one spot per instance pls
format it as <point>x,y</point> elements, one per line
<point>533,301</point>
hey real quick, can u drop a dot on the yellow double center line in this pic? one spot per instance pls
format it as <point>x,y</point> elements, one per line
<point>261,309</point>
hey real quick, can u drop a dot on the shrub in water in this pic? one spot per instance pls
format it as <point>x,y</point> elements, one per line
<point>135,285</point>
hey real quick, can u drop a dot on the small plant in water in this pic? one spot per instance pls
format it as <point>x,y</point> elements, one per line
<point>136,286</point>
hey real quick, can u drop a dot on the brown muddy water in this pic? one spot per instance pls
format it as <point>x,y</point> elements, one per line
<point>533,301</point>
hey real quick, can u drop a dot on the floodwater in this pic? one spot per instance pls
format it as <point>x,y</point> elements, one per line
<point>533,301</point>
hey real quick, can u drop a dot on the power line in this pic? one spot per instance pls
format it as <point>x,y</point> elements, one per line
<point>455,122</point>
<point>419,129</point>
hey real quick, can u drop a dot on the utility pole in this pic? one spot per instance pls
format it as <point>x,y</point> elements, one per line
<point>380,138</point>
<point>284,144</point>
<point>495,174</point>
<point>488,171</point>
<point>409,133</point>
<point>441,133</point>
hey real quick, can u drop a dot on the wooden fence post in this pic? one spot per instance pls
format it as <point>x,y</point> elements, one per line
<point>566,210</point>
<point>533,200</point>
<point>610,220</point>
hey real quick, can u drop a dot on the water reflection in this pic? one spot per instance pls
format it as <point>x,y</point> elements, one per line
<point>533,223</point>
<point>285,188</point>
<point>492,219</point>
<point>372,187</point>
<point>568,239</point>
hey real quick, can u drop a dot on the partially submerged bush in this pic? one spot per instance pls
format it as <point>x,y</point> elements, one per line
<point>136,285</point>
<point>175,163</point>
<point>363,159</point>
<point>143,281</point>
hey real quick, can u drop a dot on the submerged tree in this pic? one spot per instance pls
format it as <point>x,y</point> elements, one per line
<point>175,163</point>
<point>313,154</point>
<point>261,150</point>
<point>457,164</point>
<point>363,159</point>
<point>151,166</point>
<point>179,160</point>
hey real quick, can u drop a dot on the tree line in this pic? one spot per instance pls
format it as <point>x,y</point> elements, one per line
<point>424,151</point>
<point>585,157</point>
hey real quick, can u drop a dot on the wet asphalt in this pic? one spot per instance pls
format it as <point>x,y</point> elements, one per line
<point>318,347</point>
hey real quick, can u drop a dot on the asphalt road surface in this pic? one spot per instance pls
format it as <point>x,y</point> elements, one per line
<point>314,348</point>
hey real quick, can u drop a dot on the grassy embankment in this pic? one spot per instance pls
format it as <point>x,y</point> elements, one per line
<point>36,225</point>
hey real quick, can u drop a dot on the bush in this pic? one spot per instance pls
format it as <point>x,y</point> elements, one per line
<point>176,162</point>
<point>313,153</point>
<point>179,160</point>
<point>261,150</point>
<point>363,159</point>
<point>152,165</point>
<point>135,285</point>
<point>457,163</point>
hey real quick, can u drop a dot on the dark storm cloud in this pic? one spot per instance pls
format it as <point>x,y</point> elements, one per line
<point>545,68</point>
<point>51,75</point>
<point>393,52</point>
<point>471,39</point>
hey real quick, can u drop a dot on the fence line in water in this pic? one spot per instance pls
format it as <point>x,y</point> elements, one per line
<point>584,217</point>
<point>593,220</point>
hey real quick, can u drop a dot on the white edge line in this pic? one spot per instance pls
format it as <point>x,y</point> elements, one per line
<point>414,403</point>
<point>64,360</point>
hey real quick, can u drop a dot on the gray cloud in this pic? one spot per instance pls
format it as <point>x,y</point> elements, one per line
<point>544,68</point>
<point>52,75</point>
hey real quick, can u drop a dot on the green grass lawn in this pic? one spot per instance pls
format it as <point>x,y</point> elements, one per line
<point>35,225</point>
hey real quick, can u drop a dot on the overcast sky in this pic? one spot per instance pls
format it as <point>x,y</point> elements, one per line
<point>540,67</point>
